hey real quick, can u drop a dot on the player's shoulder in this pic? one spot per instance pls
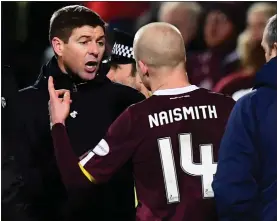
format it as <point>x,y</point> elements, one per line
<point>33,99</point>
<point>37,89</point>
<point>215,96</point>
<point>141,108</point>
<point>32,95</point>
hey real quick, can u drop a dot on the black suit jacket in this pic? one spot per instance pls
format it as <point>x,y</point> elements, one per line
<point>96,104</point>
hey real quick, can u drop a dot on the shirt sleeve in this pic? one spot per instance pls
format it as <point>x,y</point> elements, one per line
<point>235,184</point>
<point>112,152</point>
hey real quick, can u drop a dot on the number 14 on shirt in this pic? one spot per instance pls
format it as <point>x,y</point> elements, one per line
<point>206,169</point>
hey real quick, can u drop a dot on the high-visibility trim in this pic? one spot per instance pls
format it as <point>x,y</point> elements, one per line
<point>91,179</point>
<point>87,174</point>
<point>136,198</point>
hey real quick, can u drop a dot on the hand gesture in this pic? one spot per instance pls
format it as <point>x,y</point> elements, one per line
<point>58,107</point>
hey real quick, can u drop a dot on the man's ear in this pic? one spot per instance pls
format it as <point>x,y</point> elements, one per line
<point>143,67</point>
<point>274,50</point>
<point>58,46</point>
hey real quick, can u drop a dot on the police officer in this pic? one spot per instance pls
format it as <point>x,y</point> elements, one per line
<point>123,65</point>
<point>77,36</point>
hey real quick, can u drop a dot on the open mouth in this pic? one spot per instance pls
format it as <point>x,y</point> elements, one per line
<point>91,66</point>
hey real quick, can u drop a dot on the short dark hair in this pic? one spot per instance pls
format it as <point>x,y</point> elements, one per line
<point>134,69</point>
<point>271,37</point>
<point>66,19</point>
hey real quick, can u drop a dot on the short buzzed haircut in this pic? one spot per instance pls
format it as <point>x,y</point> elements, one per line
<point>159,44</point>
<point>271,34</point>
<point>68,18</point>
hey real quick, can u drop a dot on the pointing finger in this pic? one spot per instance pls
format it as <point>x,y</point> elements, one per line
<point>51,88</point>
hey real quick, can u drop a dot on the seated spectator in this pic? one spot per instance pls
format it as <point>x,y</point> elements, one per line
<point>252,59</point>
<point>257,17</point>
<point>185,16</point>
<point>249,50</point>
<point>222,26</point>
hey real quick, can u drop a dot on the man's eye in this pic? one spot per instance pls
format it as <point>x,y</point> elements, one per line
<point>100,43</point>
<point>83,42</point>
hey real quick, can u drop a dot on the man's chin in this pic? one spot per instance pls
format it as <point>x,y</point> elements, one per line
<point>88,76</point>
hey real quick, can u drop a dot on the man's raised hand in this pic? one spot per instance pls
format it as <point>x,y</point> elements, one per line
<point>58,107</point>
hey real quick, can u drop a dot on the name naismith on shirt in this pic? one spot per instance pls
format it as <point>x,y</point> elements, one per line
<point>184,113</point>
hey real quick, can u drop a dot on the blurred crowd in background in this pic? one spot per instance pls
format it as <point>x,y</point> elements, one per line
<point>222,39</point>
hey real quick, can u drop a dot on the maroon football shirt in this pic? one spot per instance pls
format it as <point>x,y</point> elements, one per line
<point>172,139</point>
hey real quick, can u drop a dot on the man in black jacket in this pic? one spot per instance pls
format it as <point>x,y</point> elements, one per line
<point>14,206</point>
<point>77,36</point>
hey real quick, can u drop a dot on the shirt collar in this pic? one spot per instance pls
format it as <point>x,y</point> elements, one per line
<point>176,91</point>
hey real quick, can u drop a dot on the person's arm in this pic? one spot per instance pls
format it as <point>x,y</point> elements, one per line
<point>234,185</point>
<point>102,161</point>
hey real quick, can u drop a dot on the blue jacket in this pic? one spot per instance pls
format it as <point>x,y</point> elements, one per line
<point>245,184</point>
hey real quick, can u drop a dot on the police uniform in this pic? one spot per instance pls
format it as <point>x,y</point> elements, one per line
<point>96,104</point>
<point>122,51</point>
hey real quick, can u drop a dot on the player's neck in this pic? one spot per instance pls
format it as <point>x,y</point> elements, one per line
<point>173,80</point>
<point>170,85</point>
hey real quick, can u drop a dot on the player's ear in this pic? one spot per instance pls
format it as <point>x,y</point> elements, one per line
<point>143,67</point>
<point>58,46</point>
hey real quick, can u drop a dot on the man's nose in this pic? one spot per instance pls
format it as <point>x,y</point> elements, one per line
<point>93,49</point>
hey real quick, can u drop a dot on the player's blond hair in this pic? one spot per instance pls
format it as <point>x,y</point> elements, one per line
<point>159,44</point>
